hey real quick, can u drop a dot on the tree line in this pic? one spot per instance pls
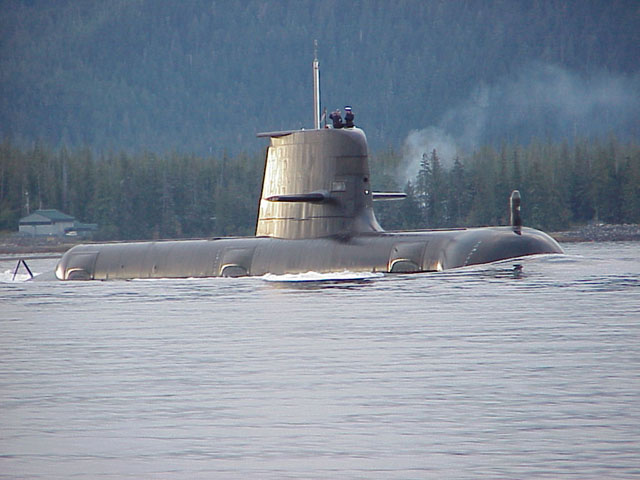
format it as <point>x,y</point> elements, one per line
<point>561,186</point>
<point>150,196</point>
<point>132,196</point>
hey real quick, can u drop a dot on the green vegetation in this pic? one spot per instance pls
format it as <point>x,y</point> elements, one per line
<point>202,76</point>
<point>149,196</point>
<point>139,196</point>
<point>92,91</point>
<point>561,186</point>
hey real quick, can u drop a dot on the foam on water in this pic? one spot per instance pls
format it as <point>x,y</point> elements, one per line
<point>7,276</point>
<point>344,276</point>
<point>38,263</point>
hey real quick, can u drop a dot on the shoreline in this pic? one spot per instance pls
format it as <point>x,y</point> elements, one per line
<point>601,232</point>
<point>10,249</point>
<point>585,233</point>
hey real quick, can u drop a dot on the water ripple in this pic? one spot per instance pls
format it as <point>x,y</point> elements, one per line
<point>482,372</point>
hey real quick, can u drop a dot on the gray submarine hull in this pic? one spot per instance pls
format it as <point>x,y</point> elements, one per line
<point>391,252</point>
<point>315,214</point>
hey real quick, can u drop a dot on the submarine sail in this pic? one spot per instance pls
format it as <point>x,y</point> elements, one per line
<point>316,184</point>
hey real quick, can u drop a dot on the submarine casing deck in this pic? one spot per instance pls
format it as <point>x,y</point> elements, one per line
<point>394,252</point>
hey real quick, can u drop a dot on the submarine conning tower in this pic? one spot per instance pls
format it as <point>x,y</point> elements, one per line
<point>316,184</point>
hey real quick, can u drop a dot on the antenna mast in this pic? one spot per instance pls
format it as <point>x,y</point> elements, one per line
<point>316,87</point>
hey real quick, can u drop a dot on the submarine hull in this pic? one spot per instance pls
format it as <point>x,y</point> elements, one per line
<point>315,214</point>
<point>392,252</point>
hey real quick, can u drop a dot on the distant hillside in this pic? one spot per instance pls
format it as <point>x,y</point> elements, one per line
<point>204,76</point>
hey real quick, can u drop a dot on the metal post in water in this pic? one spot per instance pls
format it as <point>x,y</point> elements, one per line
<point>15,272</point>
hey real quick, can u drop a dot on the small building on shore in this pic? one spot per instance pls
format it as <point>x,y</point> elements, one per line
<point>53,222</point>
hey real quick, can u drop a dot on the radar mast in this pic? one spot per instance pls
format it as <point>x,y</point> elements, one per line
<point>316,87</point>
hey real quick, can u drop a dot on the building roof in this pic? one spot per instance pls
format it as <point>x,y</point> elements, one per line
<point>46,216</point>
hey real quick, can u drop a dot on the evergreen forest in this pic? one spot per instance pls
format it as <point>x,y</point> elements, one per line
<point>151,196</point>
<point>204,76</point>
<point>141,115</point>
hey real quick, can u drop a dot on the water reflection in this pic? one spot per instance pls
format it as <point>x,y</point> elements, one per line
<point>483,372</point>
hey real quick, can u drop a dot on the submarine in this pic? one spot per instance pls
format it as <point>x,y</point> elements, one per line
<point>315,215</point>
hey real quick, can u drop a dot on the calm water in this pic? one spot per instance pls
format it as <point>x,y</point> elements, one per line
<point>477,373</point>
